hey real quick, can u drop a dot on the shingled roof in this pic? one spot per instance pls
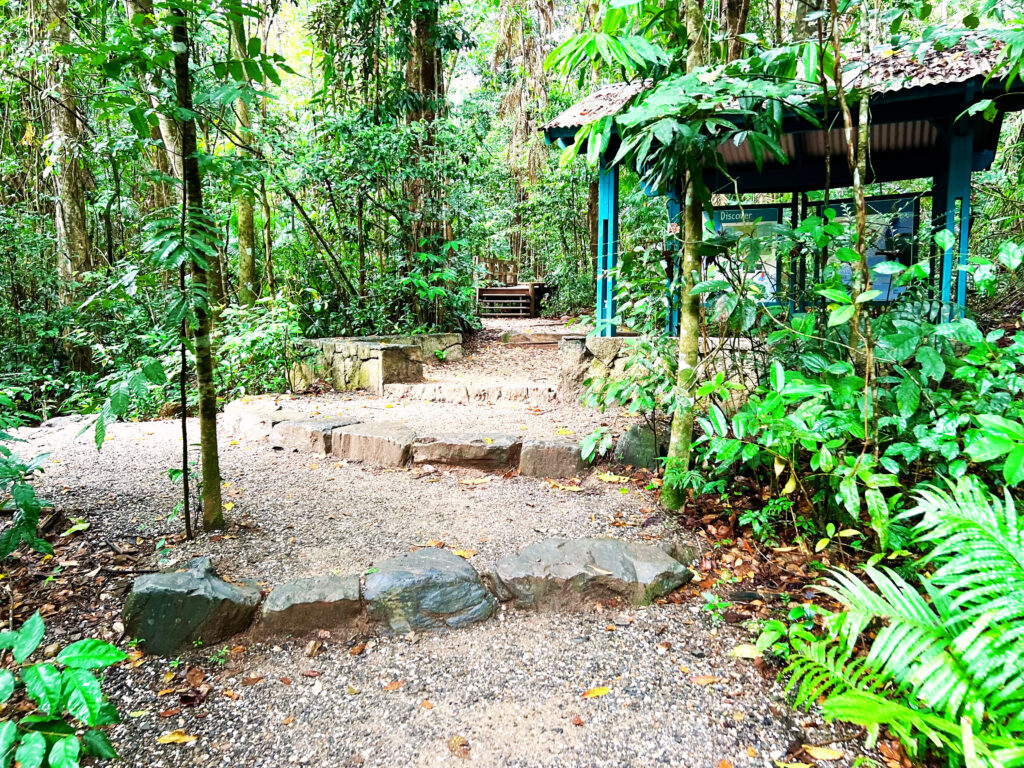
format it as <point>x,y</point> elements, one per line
<point>889,70</point>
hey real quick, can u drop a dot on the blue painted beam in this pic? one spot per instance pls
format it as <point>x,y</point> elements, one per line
<point>673,241</point>
<point>607,244</point>
<point>951,210</point>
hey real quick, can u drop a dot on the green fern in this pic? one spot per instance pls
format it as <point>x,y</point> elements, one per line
<point>946,667</point>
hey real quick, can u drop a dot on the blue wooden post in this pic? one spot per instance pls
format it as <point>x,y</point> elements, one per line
<point>673,241</point>
<point>951,210</point>
<point>607,244</point>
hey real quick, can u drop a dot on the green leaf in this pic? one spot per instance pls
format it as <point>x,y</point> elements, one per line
<point>84,696</point>
<point>878,510</point>
<point>253,47</point>
<point>931,363</point>
<point>31,751</point>
<point>154,372</point>
<point>908,397</point>
<point>64,753</point>
<point>1004,427</point>
<point>867,296</point>
<point>841,315</point>
<point>97,744</point>
<point>29,637</point>
<point>985,447</point>
<point>90,654</point>
<point>6,685</point>
<point>8,737</point>
<point>719,421</point>
<point>43,683</point>
<point>838,296</point>
<point>1013,466</point>
<point>848,494</point>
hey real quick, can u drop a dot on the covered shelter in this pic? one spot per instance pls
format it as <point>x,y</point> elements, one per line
<point>920,128</point>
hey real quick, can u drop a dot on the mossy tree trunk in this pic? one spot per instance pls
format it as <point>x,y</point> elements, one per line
<point>245,199</point>
<point>213,516</point>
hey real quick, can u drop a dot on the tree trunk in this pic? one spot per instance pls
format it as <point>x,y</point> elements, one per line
<point>689,311</point>
<point>803,28</point>
<point>213,516</point>
<point>70,219</point>
<point>734,19</point>
<point>244,198</point>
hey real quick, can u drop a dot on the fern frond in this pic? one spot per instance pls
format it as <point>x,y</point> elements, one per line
<point>827,668</point>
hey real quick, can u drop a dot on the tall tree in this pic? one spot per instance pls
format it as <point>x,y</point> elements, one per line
<point>244,197</point>
<point>689,307</point>
<point>192,218</point>
<point>68,157</point>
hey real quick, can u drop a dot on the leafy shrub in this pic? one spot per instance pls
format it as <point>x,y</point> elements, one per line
<point>17,491</point>
<point>944,670</point>
<point>67,696</point>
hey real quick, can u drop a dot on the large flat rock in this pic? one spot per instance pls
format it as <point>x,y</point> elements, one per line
<point>557,574</point>
<point>425,590</point>
<point>169,612</point>
<point>306,435</point>
<point>487,452</point>
<point>255,418</point>
<point>384,444</point>
<point>319,602</point>
<point>551,458</point>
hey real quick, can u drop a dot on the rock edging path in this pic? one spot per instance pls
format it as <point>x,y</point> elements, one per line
<point>427,589</point>
<point>392,444</point>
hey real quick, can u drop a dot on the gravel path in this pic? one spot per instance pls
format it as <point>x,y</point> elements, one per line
<point>511,688</point>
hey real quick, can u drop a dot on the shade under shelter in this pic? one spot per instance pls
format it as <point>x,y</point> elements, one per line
<point>920,128</point>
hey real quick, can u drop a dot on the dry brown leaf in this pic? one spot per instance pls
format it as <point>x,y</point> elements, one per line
<point>593,693</point>
<point>230,695</point>
<point>165,691</point>
<point>822,753</point>
<point>459,746</point>
<point>394,685</point>
<point>170,712</point>
<point>311,673</point>
<point>357,649</point>
<point>577,720</point>
<point>465,554</point>
<point>313,647</point>
<point>253,679</point>
<point>176,737</point>
<point>288,720</point>
<point>194,676</point>
<point>751,752</point>
<point>286,680</point>
<point>168,676</point>
<point>426,704</point>
<point>724,764</point>
<point>704,679</point>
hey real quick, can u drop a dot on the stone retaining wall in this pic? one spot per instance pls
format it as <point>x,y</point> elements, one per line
<point>372,362</point>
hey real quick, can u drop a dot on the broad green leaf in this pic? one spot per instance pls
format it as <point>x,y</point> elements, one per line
<point>1011,429</point>
<point>908,397</point>
<point>848,493</point>
<point>878,510</point>
<point>931,363</point>
<point>43,683</point>
<point>29,637</point>
<point>97,744</point>
<point>1013,466</point>
<point>90,654</point>
<point>83,695</point>
<point>841,315</point>
<point>984,447</point>
<point>867,296</point>
<point>64,753</point>
<point>8,737</point>
<point>6,685</point>
<point>842,297</point>
<point>31,751</point>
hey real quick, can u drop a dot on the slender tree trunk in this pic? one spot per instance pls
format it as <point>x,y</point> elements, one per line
<point>268,239</point>
<point>734,19</point>
<point>213,516</point>
<point>70,219</point>
<point>244,198</point>
<point>681,440</point>
<point>804,28</point>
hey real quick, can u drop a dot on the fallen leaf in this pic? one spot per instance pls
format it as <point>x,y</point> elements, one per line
<point>138,713</point>
<point>170,712</point>
<point>228,506</point>
<point>194,676</point>
<point>459,746</point>
<point>577,720</point>
<point>231,695</point>
<point>724,764</point>
<point>822,753</point>
<point>168,676</point>
<point>465,554</point>
<point>313,647</point>
<point>164,692</point>
<point>352,690</point>
<point>475,480</point>
<point>288,720</point>
<point>560,487</point>
<point>426,704</point>
<point>311,673</point>
<point>704,679</point>
<point>745,651</point>
<point>663,647</point>
<point>593,693</point>
<point>751,752</point>
<point>357,649</point>
<point>394,685</point>
<point>176,737</point>
<point>286,680</point>
<point>608,477</point>
<point>253,679</point>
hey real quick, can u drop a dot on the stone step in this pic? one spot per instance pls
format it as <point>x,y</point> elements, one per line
<point>465,394</point>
